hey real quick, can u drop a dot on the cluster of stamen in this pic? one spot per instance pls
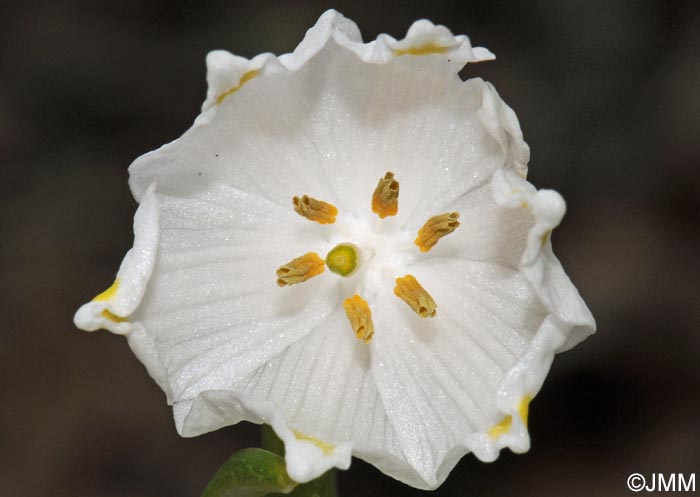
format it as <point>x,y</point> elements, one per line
<point>345,259</point>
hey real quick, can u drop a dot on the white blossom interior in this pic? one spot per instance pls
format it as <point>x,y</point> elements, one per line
<point>198,297</point>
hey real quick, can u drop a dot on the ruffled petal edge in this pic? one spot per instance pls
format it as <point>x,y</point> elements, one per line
<point>567,323</point>
<point>228,73</point>
<point>110,309</point>
<point>501,124</point>
<point>538,263</point>
<point>306,457</point>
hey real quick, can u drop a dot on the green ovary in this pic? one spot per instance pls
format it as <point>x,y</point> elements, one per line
<point>343,259</point>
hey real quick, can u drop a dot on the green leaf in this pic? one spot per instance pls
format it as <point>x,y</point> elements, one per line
<point>250,473</point>
<point>270,441</point>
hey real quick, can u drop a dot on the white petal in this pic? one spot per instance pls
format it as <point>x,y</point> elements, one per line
<point>213,308</point>
<point>319,387</point>
<point>109,309</point>
<point>522,383</point>
<point>488,232</point>
<point>145,349</point>
<point>216,408</point>
<point>538,262</point>
<point>331,118</point>
<point>325,388</point>
<point>439,377</point>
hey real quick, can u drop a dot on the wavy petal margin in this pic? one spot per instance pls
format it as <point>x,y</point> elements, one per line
<point>568,322</point>
<point>539,264</point>
<point>306,457</point>
<point>227,74</point>
<point>110,309</point>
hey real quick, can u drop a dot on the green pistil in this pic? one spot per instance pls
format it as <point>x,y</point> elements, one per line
<point>343,259</point>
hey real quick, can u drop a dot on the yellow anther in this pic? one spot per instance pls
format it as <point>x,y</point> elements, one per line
<point>244,79</point>
<point>422,50</point>
<point>327,448</point>
<point>435,228</point>
<point>360,317</point>
<point>315,210</point>
<point>410,291</point>
<point>300,269</point>
<point>385,200</point>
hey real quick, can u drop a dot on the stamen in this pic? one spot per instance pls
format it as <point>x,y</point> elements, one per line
<point>360,318</point>
<point>315,210</point>
<point>410,291</point>
<point>344,259</point>
<point>300,269</point>
<point>435,228</point>
<point>385,199</point>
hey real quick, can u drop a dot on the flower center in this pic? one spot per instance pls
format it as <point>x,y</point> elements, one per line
<point>384,254</point>
<point>344,259</point>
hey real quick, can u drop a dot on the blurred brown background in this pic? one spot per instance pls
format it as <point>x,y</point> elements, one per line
<point>608,95</point>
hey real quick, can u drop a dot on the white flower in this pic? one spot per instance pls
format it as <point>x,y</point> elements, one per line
<point>453,305</point>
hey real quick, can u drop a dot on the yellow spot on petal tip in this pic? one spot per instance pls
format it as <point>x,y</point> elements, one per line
<point>300,269</point>
<point>428,48</point>
<point>244,79</point>
<point>315,210</point>
<point>524,408</point>
<point>107,294</point>
<point>385,199</point>
<point>435,228</point>
<point>410,291</point>
<point>360,317</point>
<point>112,317</point>
<point>504,425</point>
<point>326,447</point>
